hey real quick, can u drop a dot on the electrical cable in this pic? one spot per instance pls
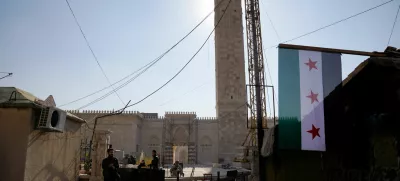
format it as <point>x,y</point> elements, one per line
<point>272,24</point>
<point>334,23</point>
<point>394,24</point>
<point>270,78</point>
<point>168,80</point>
<point>126,83</point>
<point>91,50</point>
<point>203,84</point>
<point>266,60</point>
<point>268,109</point>
<point>8,75</point>
<point>119,87</point>
<point>152,62</point>
<point>190,60</point>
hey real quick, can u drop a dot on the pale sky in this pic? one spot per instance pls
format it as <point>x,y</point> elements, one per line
<point>41,44</point>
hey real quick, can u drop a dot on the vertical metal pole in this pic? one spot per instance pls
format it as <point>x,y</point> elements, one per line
<point>91,140</point>
<point>260,132</point>
<point>273,103</point>
<point>197,139</point>
<point>218,176</point>
<point>80,153</point>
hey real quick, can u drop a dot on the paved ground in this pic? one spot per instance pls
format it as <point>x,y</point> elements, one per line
<point>199,171</point>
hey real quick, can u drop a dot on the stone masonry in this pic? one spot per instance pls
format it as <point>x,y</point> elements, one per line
<point>230,79</point>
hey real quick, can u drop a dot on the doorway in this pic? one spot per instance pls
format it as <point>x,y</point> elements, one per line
<point>180,154</point>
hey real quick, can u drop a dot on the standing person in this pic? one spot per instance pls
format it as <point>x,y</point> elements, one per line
<point>141,164</point>
<point>154,162</point>
<point>132,160</point>
<point>110,167</point>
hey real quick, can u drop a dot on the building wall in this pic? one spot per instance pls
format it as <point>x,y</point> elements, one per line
<point>125,130</point>
<point>135,133</point>
<point>14,130</point>
<point>53,156</point>
<point>207,148</point>
<point>151,136</point>
<point>28,154</point>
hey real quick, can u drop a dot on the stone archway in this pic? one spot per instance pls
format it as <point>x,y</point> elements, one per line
<point>180,136</point>
<point>180,148</point>
<point>181,154</point>
<point>180,141</point>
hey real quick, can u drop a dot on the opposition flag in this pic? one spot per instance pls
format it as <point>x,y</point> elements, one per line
<point>305,79</point>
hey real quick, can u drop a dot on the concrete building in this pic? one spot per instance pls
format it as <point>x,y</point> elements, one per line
<point>31,154</point>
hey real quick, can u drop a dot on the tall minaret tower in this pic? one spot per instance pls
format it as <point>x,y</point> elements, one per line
<point>230,79</point>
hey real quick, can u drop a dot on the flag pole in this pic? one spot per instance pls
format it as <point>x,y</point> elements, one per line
<point>332,50</point>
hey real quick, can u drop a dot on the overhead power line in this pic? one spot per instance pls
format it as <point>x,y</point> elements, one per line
<point>265,57</point>
<point>91,50</point>
<point>187,63</point>
<point>394,24</point>
<point>121,86</point>
<point>272,24</point>
<point>334,23</point>
<point>148,64</point>
<point>186,93</point>
<point>8,75</point>
<point>159,58</point>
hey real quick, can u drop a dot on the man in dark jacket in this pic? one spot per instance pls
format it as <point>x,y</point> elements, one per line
<point>110,167</point>
<point>154,162</point>
<point>132,160</point>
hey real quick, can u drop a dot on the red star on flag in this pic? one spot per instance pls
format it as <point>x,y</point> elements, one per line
<point>313,96</point>
<point>314,132</point>
<point>311,64</point>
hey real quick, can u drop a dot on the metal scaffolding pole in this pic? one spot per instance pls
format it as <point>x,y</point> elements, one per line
<point>256,76</point>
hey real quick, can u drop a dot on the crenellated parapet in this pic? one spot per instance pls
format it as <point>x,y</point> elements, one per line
<point>103,112</point>
<point>207,118</point>
<point>154,118</point>
<point>179,113</point>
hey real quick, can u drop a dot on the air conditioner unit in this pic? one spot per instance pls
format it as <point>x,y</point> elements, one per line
<point>51,119</point>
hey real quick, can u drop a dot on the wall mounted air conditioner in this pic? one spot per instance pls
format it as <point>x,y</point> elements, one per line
<point>51,119</point>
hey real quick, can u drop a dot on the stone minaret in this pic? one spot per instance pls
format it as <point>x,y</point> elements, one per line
<point>230,79</point>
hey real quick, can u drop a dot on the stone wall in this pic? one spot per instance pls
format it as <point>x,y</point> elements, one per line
<point>34,155</point>
<point>100,146</point>
<point>207,144</point>
<point>54,156</point>
<point>151,135</point>
<point>14,131</point>
<point>230,79</point>
<point>125,128</point>
<point>135,132</point>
